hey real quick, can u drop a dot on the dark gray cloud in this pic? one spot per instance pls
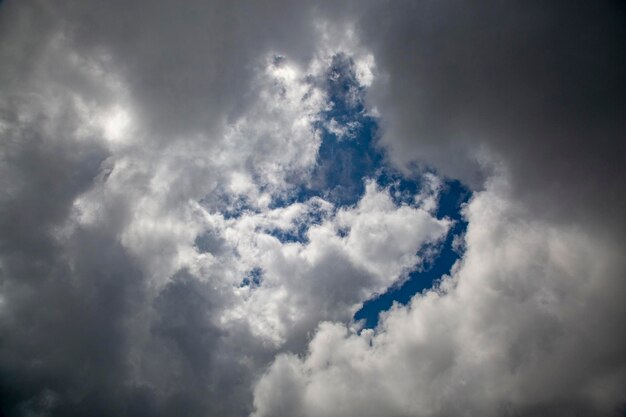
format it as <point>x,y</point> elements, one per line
<point>64,296</point>
<point>64,334</point>
<point>539,85</point>
<point>188,65</point>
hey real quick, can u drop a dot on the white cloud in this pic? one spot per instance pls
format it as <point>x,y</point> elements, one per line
<point>524,324</point>
<point>352,254</point>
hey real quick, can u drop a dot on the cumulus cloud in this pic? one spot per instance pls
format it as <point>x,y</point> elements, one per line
<point>347,257</point>
<point>527,324</point>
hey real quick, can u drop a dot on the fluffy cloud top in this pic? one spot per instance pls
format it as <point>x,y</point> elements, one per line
<point>523,326</point>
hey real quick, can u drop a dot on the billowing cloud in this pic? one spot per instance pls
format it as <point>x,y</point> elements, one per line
<point>527,324</point>
<point>197,198</point>
<point>346,258</point>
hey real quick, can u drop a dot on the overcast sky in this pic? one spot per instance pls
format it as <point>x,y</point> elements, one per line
<point>307,209</point>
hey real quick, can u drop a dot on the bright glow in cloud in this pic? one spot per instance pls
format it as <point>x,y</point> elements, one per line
<point>116,123</point>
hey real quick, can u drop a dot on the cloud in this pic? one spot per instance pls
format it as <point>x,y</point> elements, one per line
<point>138,178</point>
<point>174,217</point>
<point>346,257</point>
<point>538,87</point>
<point>527,324</point>
<point>109,140</point>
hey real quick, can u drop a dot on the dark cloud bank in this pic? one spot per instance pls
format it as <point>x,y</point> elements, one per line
<point>540,85</point>
<point>522,101</point>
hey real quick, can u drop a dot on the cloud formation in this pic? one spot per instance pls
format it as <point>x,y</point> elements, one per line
<point>539,87</point>
<point>197,198</point>
<point>528,324</point>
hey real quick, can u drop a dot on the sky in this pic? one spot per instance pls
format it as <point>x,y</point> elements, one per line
<point>275,208</point>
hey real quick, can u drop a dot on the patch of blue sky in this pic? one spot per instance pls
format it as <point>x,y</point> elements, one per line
<point>253,278</point>
<point>297,233</point>
<point>347,154</point>
<point>451,200</point>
